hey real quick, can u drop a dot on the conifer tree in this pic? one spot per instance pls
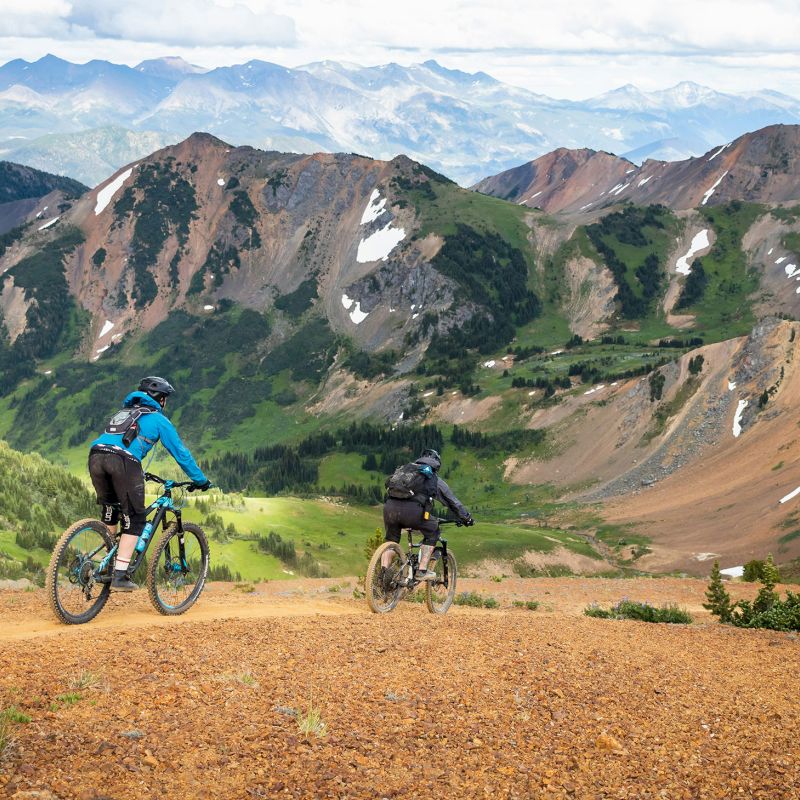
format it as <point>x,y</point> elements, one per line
<point>719,601</point>
<point>374,541</point>
<point>767,595</point>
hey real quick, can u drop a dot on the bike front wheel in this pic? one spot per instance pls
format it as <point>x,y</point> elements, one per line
<point>177,572</point>
<point>439,593</point>
<point>384,584</point>
<point>72,591</point>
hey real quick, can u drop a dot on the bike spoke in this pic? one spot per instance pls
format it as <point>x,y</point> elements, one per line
<point>177,576</point>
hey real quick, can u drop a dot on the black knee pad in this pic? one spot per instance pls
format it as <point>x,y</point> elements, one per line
<point>137,523</point>
<point>110,514</point>
<point>431,539</point>
<point>392,537</point>
<point>133,523</point>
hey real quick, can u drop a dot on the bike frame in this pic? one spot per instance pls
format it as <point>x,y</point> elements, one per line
<point>162,506</point>
<point>439,551</point>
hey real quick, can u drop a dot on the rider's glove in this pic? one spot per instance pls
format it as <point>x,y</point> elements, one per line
<point>467,521</point>
<point>201,487</point>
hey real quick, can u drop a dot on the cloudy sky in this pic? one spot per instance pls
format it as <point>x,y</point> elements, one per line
<point>563,48</point>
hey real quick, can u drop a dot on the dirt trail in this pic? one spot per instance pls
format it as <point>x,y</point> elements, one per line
<point>37,623</point>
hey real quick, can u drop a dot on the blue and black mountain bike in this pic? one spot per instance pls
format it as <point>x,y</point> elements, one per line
<point>79,576</point>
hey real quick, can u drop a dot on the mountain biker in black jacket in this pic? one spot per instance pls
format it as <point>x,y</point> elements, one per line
<point>415,514</point>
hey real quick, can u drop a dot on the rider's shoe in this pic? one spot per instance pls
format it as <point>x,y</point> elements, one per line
<point>425,575</point>
<point>122,583</point>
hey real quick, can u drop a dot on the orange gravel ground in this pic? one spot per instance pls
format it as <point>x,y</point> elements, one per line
<point>478,703</point>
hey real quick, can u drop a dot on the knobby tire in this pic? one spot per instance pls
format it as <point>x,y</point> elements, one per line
<point>379,601</point>
<point>56,583</point>
<point>157,569</point>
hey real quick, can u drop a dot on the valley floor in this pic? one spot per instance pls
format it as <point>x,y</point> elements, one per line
<point>478,703</point>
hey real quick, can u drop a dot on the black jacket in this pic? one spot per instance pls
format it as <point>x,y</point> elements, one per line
<point>443,492</point>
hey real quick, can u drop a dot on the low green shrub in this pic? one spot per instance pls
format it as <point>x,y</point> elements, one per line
<point>779,615</point>
<point>13,714</point>
<point>530,605</point>
<point>643,612</point>
<point>525,570</point>
<point>474,600</point>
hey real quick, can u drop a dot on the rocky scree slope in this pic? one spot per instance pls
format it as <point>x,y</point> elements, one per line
<point>704,458</point>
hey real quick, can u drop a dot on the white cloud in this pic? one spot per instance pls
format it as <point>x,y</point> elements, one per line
<point>199,22</point>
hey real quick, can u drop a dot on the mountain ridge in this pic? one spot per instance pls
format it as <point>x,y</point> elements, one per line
<point>761,166</point>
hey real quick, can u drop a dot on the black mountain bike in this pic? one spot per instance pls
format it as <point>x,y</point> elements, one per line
<point>79,575</point>
<point>385,587</point>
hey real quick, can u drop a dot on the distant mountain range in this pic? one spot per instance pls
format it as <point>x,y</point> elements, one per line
<point>87,120</point>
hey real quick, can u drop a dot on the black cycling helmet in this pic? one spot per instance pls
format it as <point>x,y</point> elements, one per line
<point>156,387</point>
<point>431,457</point>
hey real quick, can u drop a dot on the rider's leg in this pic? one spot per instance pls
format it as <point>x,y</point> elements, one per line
<point>134,517</point>
<point>430,529</point>
<point>132,525</point>
<point>392,526</point>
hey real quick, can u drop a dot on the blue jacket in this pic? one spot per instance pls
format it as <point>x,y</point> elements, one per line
<point>152,428</point>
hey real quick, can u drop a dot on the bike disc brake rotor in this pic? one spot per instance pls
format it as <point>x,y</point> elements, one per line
<point>176,575</point>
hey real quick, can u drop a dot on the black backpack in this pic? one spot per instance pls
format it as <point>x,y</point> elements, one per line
<point>412,482</point>
<point>126,422</point>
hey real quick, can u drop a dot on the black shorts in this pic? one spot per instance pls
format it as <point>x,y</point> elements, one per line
<point>117,478</point>
<point>399,514</point>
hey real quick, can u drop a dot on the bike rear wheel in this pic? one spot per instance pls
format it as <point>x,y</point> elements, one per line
<point>72,592</point>
<point>175,576</point>
<point>383,587</point>
<point>438,597</point>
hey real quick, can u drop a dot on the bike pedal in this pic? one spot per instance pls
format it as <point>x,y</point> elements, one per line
<point>103,579</point>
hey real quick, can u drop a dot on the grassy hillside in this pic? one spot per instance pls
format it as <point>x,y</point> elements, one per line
<point>37,501</point>
<point>333,535</point>
<point>318,536</point>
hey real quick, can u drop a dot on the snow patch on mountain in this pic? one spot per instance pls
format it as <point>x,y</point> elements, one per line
<point>357,316</point>
<point>378,246</point>
<point>699,242</point>
<point>790,496</point>
<point>107,326</point>
<point>109,190</point>
<point>737,420</point>
<point>711,158</point>
<point>374,208</point>
<point>707,195</point>
<point>49,223</point>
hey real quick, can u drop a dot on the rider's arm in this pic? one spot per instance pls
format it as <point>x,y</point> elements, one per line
<point>178,450</point>
<point>445,495</point>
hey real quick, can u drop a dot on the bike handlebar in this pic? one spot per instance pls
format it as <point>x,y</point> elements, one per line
<point>190,486</point>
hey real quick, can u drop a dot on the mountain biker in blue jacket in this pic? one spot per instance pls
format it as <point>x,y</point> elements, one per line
<point>115,466</point>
